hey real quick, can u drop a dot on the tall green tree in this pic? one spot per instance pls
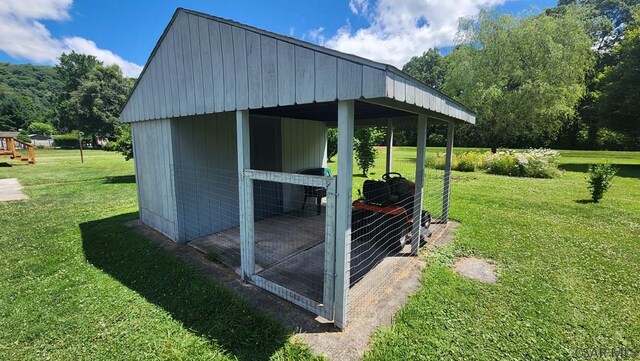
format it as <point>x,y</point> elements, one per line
<point>93,94</point>
<point>16,110</point>
<point>619,103</point>
<point>430,68</point>
<point>522,76</point>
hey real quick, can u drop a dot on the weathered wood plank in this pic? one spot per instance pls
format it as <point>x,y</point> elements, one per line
<point>373,82</point>
<point>189,74</point>
<point>196,61</point>
<point>180,29</point>
<point>349,80</point>
<point>269,71</point>
<point>399,88</point>
<point>305,75</point>
<point>166,82</point>
<point>389,86</point>
<point>229,67</point>
<point>173,69</point>
<point>326,73</point>
<point>289,178</point>
<point>240,55</point>
<point>254,70</point>
<point>410,93</point>
<point>207,71</point>
<point>217,67</point>
<point>286,74</point>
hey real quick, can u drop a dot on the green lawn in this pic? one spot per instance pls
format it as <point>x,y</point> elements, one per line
<point>76,284</point>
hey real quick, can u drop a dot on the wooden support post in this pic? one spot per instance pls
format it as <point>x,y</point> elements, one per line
<point>245,191</point>
<point>389,144</point>
<point>446,191</point>
<point>343,210</point>
<point>12,147</point>
<point>417,199</point>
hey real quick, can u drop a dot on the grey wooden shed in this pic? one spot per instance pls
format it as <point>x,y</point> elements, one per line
<point>221,106</point>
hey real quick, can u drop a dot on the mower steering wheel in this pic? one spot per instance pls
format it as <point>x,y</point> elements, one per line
<point>388,176</point>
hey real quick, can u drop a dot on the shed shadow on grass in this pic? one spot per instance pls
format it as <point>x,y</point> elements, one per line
<point>120,179</point>
<point>203,307</point>
<point>624,170</point>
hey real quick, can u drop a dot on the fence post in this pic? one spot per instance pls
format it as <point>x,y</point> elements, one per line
<point>419,181</point>
<point>389,144</point>
<point>245,192</point>
<point>446,190</point>
<point>343,210</point>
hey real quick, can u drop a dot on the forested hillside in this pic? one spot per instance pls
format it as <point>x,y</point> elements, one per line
<point>27,94</point>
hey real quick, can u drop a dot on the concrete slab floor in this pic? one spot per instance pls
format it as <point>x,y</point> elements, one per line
<point>375,299</point>
<point>11,190</point>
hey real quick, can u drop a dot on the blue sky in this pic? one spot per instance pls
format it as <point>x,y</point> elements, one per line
<point>125,32</point>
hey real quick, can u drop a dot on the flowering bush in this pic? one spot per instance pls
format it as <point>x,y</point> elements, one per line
<point>533,163</point>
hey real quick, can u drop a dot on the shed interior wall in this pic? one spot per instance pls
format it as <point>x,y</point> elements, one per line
<point>205,153</point>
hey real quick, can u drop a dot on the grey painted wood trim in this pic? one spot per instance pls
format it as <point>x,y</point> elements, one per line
<point>245,187</point>
<point>446,190</point>
<point>389,144</point>
<point>330,252</point>
<point>286,73</point>
<point>419,182</point>
<point>254,70</point>
<point>343,211</point>
<point>289,178</point>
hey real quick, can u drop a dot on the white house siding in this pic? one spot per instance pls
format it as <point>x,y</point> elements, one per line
<point>154,164</point>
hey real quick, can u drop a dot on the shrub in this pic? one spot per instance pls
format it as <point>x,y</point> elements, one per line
<point>438,161</point>
<point>67,141</point>
<point>504,163</point>
<point>110,146</point>
<point>332,143</point>
<point>534,163</point>
<point>24,137</point>
<point>600,179</point>
<point>470,162</point>
<point>363,149</point>
<point>41,128</point>
<point>436,140</point>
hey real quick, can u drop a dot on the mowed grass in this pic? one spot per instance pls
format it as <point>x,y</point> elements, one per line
<point>568,269</point>
<point>76,284</point>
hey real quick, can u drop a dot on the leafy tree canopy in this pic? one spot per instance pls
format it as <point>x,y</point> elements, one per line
<point>92,96</point>
<point>522,76</point>
<point>430,68</point>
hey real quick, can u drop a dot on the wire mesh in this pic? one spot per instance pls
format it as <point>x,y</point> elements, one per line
<point>381,258</point>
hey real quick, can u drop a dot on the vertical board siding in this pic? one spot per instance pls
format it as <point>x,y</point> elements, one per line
<point>286,73</point>
<point>269,61</point>
<point>156,194</point>
<point>349,80</point>
<point>189,73</point>
<point>326,74</point>
<point>303,146</point>
<point>254,70</point>
<point>206,66</point>
<point>207,71</point>
<point>373,82</point>
<point>228,65</point>
<point>305,75</point>
<point>240,55</point>
<point>215,41</point>
<point>196,59</point>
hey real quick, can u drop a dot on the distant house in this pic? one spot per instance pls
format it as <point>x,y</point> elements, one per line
<point>38,140</point>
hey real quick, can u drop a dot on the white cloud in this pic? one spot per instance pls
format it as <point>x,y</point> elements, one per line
<point>399,30</point>
<point>22,35</point>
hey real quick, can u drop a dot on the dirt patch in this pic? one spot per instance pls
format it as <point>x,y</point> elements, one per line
<point>477,269</point>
